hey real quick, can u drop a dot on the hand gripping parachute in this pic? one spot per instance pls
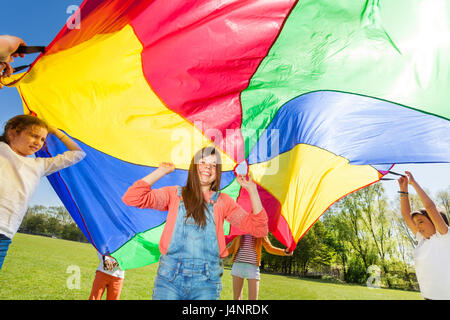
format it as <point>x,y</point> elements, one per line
<point>315,98</point>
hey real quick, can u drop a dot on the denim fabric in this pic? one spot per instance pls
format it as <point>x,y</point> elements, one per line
<point>192,268</point>
<point>245,270</point>
<point>4,245</point>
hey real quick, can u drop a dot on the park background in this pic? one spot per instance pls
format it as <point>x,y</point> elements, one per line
<point>339,249</point>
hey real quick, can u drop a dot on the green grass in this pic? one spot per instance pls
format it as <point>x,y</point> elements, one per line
<point>36,268</point>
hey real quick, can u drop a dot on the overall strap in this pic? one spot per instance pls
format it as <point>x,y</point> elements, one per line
<point>215,196</point>
<point>210,205</point>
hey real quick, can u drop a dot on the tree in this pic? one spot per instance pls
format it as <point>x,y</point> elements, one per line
<point>365,231</point>
<point>338,233</point>
<point>52,226</point>
<point>70,231</point>
<point>361,231</point>
<point>378,222</point>
<point>312,251</point>
<point>351,215</point>
<point>33,223</point>
<point>60,213</point>
<point>51,221</point>
<point>443,200</point>
<point>305,250</point>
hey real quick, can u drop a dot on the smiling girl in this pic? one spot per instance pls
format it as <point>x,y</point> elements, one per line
<point>20,174</point>
<point>432,253</point>
<point>192,244</point>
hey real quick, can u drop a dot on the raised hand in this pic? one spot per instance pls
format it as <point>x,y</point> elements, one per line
<point>13,43</point>
<point>246,183</point>
<point>8,47</point>
<point>5,69</point>
<point>53,130</point>
<point>403,183</point>
<point>288,253</point>
<point>411,179</point>
<point>166,167</point>
<point>110,264</point>
<point>252,189</point>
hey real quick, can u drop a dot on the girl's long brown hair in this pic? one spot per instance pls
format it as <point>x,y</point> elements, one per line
<point>192,193</point>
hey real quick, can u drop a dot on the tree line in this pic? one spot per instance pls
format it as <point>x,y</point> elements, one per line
<point>53,222</point>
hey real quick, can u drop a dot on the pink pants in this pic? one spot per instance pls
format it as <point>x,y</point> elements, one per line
<point>103,281</point>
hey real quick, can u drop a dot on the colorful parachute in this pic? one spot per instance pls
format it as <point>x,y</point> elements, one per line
<point>316,98</point>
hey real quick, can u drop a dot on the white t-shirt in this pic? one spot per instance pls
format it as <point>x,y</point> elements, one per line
<point>116,272</point>
<point>19,179</point>
<point>432,261</point>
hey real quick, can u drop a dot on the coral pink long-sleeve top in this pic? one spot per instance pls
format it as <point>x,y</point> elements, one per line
<point>141,195</point>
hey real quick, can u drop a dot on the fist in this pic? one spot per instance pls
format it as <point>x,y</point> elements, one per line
<point>246,183</point>
<point>403,183</point>
<point>52,129</point>
<point>410,177</point>
<point>14,44</point>
<point>166,167</point>
<point>288,253</point>
<point>5,69</point>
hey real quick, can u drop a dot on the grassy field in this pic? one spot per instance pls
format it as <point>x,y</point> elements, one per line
<point>39,268</point>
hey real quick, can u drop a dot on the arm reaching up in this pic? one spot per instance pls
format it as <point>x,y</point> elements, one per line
<point>163,169</point>
<point>68,142</point>
<point>252,190</point>
<point>141,195</point>
<point>405,205</point>
<point>429,205</point>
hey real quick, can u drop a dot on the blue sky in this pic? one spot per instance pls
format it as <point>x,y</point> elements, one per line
<point>38,22</point>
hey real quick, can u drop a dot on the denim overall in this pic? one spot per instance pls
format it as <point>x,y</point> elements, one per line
<point>4,245</point>
<point>191,268</point>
